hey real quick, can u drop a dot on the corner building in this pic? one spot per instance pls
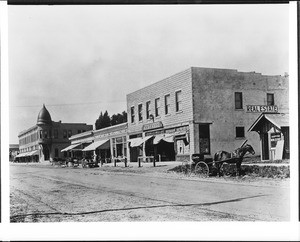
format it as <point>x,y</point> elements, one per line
<point>201,110</point>
<point>46,139</point>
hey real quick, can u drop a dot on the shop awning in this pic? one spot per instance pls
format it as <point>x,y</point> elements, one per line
<point>96,145</point>
<point>71,147</point>
<point>138,141</point>
<point>35,152</point>
<point>21,155</point>
<point>166,138</point>
<point>279,120</point>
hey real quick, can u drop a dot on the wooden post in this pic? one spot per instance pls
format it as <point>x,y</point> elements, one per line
<point>115,162</point>
<point>139,162</point>
<point>154,161</point>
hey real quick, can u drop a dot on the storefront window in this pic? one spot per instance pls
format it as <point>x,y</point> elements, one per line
<point>182,148</point>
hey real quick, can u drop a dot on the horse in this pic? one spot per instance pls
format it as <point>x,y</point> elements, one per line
<point>234,157</point>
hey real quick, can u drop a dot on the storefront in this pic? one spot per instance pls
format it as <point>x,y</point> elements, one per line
<point>108,143</point>
<point>161,143</point>
<point>273,130</point>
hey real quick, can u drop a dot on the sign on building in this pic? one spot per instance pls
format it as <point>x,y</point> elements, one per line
<point>262,109</point>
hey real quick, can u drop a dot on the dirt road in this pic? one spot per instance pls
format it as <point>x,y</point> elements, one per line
<point>42,193</point>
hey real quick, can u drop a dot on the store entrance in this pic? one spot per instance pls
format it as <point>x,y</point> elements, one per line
<point>265,146</point>
<point>204,139</point>
<point>165,150</point>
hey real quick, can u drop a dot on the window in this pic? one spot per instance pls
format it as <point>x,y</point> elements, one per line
<point>157,107</point>
<point>270,99</point>
<point>178,101</point>
<point>45,134</point>
<point>140,108</point>
<point>78,131</point>
<point>240,132</point>
<point>41,134</point>
<point>238,98</point>
<point>182,148</point>
<point>55,134</point>
<point>69,133</point>
<point>132,114</point>
<point>167,104</point>
<point>65,134</point>
<point>148,109</point>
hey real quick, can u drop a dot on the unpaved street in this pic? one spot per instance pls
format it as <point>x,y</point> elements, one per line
<point>43,193</point>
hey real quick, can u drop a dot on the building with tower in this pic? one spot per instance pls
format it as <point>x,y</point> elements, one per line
<point>46,139</point>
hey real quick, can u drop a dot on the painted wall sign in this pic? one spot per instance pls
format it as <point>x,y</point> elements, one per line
<point>155,125</point>
<point>261,109</point>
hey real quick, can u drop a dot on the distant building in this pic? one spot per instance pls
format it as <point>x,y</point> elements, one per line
<point>201,110</point>
<point>108,143</point>
<point>13,151</point>
<point>47,138</point>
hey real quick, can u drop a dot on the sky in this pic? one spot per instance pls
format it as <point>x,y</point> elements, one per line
<point>81,60</point>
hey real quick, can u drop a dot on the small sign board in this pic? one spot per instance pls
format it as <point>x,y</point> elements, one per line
<point>262,109</point>
<point>155,125</point>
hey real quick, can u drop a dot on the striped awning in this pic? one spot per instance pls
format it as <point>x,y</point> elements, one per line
<point>138,141</point>
<point>71,147</point>
<point>95,145</point>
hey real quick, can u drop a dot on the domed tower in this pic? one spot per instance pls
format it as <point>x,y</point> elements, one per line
<point>44,117</point>
<point>44,123</point>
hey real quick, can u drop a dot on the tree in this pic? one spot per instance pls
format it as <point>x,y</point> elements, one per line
<point>105,120</point>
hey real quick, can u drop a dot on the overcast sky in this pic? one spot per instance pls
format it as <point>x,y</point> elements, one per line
<point>80,60</point>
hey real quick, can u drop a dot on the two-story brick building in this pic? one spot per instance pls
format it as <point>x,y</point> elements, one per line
<point>47,138</point>
<point>201,110</point>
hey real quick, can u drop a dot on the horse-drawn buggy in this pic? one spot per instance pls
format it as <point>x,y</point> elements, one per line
<point>219,165</point>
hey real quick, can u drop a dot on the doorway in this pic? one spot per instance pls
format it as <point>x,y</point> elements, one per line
<point>204,139</point>
<point>265,146</point>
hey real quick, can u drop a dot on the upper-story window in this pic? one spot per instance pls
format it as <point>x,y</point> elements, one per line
<point>65,134</point>
<point>270,99</point>
<point>69,133</point>
<point>132,114</point>
<point>167,104</point>
<point>238,99</point>
<point>45,134</point>
<point>55,134</point>
<point>148,109</point>
<point>157,107</point>
<point>140,108</point>
<point>178,100</point>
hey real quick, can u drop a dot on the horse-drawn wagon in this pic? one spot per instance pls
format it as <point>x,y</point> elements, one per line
<point>201,167</point>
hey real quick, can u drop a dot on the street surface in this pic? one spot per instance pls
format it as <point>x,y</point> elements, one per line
<point>43,193</point>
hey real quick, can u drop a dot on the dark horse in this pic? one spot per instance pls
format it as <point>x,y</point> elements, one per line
<point>234,157</point>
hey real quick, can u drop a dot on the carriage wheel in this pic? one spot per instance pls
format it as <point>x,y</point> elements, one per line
<point>186,168</point>
<point>201,169</point>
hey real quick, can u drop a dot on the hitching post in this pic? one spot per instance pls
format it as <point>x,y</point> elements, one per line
<point>153,161</point>
<point>125,161</point>
<point>139,161</point>
<point>115,162</point>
